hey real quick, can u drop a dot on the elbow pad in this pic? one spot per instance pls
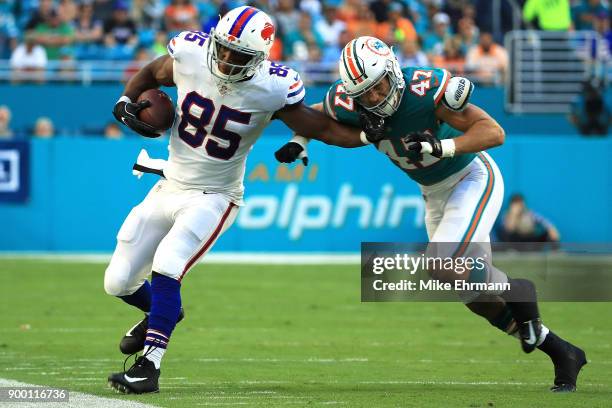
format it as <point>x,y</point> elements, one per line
<point>457,93</point>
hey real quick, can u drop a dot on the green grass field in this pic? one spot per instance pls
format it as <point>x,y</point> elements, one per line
<point>276,336</point>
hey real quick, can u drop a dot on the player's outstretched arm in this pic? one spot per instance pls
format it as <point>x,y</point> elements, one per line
<point>313,124</point>
<point>481,131</point>
<point>153,75</point>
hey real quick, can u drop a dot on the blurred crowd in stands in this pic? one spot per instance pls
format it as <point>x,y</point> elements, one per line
<point>452,33</point>
<point>465,36</point>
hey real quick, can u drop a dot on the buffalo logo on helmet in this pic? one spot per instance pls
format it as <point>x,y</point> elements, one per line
<point>268,32</point>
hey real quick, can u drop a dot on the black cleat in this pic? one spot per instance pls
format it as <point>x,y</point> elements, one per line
<point>134,339</point>
<point>529,333</point>
<point>141,378</point>
<point>567,368</point>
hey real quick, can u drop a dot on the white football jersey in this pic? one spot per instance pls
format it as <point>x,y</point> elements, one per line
<point>216,125</point>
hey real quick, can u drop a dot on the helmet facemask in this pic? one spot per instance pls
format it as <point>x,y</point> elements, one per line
<point>389,105</point>
<point>238,70</point>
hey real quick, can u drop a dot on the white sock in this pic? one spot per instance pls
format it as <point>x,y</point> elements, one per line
<point>543,335</point>
<point>154,354</point>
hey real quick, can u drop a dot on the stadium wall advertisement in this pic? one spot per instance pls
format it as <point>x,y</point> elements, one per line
<point>82,188</point>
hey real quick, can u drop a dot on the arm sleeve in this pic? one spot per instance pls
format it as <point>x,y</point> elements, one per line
<point>187,49</point>
<point>295,88</point>
<point>340,106</point>
<point>442,77</point>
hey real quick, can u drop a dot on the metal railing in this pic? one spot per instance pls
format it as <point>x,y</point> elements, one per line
<point>547,69</point>
<point>104,71</point>
<point>88,72</point>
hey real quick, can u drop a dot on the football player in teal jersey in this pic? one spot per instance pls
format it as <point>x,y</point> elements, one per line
<point>421,119</point>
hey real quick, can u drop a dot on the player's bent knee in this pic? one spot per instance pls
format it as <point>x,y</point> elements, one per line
<point>117,277</point>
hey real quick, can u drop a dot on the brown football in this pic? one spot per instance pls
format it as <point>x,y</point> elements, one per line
<point>160,114</point>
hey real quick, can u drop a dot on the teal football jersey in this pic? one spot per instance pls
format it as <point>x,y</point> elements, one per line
<point>424,90</point>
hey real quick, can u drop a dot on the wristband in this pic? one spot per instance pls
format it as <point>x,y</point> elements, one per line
<point>124,99</point>
<point>448,147</point>
<point>301,140</point>
<point>364,138</point>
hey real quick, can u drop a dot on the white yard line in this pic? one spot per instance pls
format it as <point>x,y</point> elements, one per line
<point>76,400</point>
<point>288,258</point>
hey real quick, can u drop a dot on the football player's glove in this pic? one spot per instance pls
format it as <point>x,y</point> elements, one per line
<point>126,112</point>
<point>424,142</point>
<point>373,126</point>
<point>293,150</point>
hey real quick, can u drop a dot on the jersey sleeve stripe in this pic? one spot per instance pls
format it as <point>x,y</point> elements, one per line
<point>295,85</point>
<point>169,47</point>
<point>300,89</point>
<point>438,95</point>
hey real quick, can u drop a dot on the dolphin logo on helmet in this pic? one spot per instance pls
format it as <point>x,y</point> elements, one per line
<point>364,62</point>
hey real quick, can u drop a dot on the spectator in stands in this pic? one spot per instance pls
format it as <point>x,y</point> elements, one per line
<point>365,24</point>
<point>54,34</point>
<point>40,15</point>
<point>548,15</point>
<point>43,128</point>
<point>5,123</point>
<point>28,60</point>
<point>381,8</point>
<point>347,11</point>
<point>330,53</point>
<point>433,41</point>
<point>520,224</point>
<point>149,13</point>
<point>181,15</point>
<point>112,131</point>
<point>330,26</point>
<point>67,10</point>
<point>487,61</point>
<point>300,42</point>
<point>411,55</point>
<point>590,113</point>
<point>287,17</point>
<point>88,32</point>
<point>418,15</point>
<point>468,34</point>
<point>452,57</point>
<point>401,29</point>
<point>120,33</point>
<point>120,29</point>
<point>312,7</point>
<point>103,9</point>
<point>432,8</point>
<point>8,31</point>
<point>455,9</point>
<point>586,12</point>
<point>159,45</point>
<point>602,26</point>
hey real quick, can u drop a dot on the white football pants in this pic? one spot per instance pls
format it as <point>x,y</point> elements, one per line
<point>168,232</point>
<point>461,210</point>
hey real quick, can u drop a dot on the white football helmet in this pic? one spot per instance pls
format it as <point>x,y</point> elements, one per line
<point>364,62</point>
<point>246,31</point>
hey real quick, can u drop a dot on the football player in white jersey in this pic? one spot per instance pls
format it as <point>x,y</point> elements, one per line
<point>227,93</point>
